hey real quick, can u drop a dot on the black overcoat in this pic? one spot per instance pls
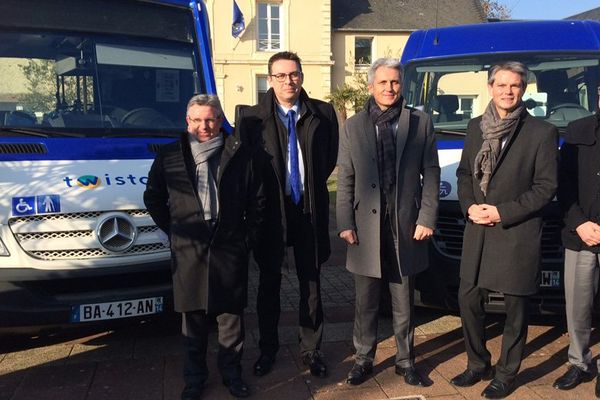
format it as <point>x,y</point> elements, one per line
<point>318,135</point>
<point>209,267</point>
<point>579,179</point>
<point>506,257</point>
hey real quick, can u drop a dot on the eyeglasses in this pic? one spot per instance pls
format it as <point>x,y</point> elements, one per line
<point>294,76</point>
<point>198,121</point>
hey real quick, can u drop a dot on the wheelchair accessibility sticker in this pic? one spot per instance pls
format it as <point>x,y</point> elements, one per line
<point>30,205</point>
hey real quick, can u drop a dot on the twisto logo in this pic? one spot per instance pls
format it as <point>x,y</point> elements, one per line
<point>88,181</point>
<point>93,181</point>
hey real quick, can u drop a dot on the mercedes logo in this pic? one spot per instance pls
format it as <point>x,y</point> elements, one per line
<point>116,232</point>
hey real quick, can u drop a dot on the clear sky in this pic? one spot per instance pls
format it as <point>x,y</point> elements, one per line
<point>548,9</point>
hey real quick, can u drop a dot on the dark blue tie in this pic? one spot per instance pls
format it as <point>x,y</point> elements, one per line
<point>293,151</point>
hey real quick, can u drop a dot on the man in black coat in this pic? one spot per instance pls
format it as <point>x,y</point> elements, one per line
<point>300,140</point>
<point>204,193</point>
<point>507,174</point>
<point>578,189</point>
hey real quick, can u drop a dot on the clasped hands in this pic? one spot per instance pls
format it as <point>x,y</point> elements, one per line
<point>484,214</point>
<point>589,232</point>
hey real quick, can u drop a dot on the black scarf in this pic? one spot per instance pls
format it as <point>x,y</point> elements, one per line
<point>386,141</point>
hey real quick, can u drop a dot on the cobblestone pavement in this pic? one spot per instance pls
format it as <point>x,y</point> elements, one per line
<point>143,360</point>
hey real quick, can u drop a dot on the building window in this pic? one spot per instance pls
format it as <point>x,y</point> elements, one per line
<point>269,27</point>
<point>363,50</point>
<point>261,87</point>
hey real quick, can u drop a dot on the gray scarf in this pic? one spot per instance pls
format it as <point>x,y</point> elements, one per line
<point>206,167</point>
<point>494,129</point>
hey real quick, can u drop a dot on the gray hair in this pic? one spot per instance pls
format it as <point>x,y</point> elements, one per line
<point>512,66</point>
<point>211,100</point>
<point>383,62</point>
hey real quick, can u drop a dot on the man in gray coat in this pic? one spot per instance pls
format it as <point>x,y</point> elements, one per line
<point>507,174</point>
<point>387,201</point>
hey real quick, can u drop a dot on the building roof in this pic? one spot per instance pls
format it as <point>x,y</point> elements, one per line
<point>593,14</point>
<point>403,15</point>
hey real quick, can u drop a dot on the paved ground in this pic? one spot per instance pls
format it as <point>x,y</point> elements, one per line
<point>144,361</point>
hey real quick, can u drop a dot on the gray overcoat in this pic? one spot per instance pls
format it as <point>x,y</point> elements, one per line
<point>359,194</point>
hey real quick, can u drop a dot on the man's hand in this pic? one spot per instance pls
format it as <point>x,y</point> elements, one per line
<point>589,232</point>
<point>349,236</point>
<point>484,214</point>
<point>422,232</point>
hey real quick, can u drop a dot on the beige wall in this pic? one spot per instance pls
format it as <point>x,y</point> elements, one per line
<point>12,83</point>
<point>384,45</point>
<point>471,84</point>
<point>13,79</point>
<point>306,30</point>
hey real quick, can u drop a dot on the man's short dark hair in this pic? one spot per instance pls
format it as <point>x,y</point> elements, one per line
<point>512,66</point>
<point>284,55</point>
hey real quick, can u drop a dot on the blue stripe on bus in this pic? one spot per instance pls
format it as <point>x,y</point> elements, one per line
<point>450,144</point>
<point>82,148</point>
<point>459,144</point>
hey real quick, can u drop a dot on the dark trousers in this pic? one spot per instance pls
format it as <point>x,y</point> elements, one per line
<point>366,312</point>
<point>195,335</point>
<point>471,300</point>
<point>268,306</point>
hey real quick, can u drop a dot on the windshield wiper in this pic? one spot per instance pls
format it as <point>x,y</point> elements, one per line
<point>450,132</point>
<point>40,132</point>
<point>142,135</point>
<point>29,132</point>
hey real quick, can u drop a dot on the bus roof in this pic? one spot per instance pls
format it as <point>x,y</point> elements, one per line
<point>182,3</point>
<point>503,37</point>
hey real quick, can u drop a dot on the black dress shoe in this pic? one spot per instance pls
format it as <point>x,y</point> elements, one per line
<point>470,377</point>
<point>192,392</point>
<point>358,374</point>
<point>598,385</point>
<point>263,365</point>
<point>573,377</point>
<point>411,376</point>
<point>237,387</point>
<point>497,390</point>
<point>315,363</point>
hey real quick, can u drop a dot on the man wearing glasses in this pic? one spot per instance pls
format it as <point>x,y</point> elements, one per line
<point>209,238</point>
<point>300,141</point>
<point>578,189</point>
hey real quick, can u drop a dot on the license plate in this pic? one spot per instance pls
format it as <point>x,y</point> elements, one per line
<point>116,309</point>
<point>550,279</point>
